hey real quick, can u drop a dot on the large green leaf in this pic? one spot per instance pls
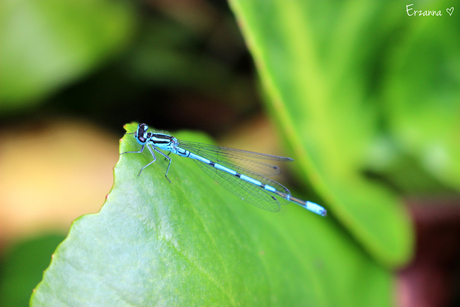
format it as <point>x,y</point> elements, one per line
<point>47,44</point>
<point>424,99</point>
<point>314,61</point>
<point>192,243</point>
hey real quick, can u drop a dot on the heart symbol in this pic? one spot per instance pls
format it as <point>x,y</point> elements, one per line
<point>450,10</point>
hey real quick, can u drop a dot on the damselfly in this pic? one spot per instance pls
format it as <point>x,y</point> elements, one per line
<point>241,172</point>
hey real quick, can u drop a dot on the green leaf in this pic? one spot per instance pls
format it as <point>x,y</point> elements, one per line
<point>423,94</point>
<point>192,243</point>
<point>22,268</point>
<point>47,44</point>
<point>315,60</point>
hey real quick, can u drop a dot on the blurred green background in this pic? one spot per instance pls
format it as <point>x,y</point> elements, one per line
<point>365,97</point>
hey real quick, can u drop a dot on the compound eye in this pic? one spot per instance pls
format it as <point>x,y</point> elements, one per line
<point>141,139</point>
<point>143,128</point>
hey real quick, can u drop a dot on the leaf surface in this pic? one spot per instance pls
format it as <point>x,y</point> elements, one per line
<point>192,243</point>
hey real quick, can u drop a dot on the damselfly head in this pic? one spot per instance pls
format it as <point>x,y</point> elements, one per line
<point>141,134</point>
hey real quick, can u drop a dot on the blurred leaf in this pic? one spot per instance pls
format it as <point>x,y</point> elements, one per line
<point>314,61</point>
<point>422,89</point>
<point>47,44</point>
<point>22,268</point>
<point>192,243</point>
<point>402,171</point>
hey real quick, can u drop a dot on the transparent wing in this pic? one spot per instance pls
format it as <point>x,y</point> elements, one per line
<point>253,194</point>
<point>245,162</point>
